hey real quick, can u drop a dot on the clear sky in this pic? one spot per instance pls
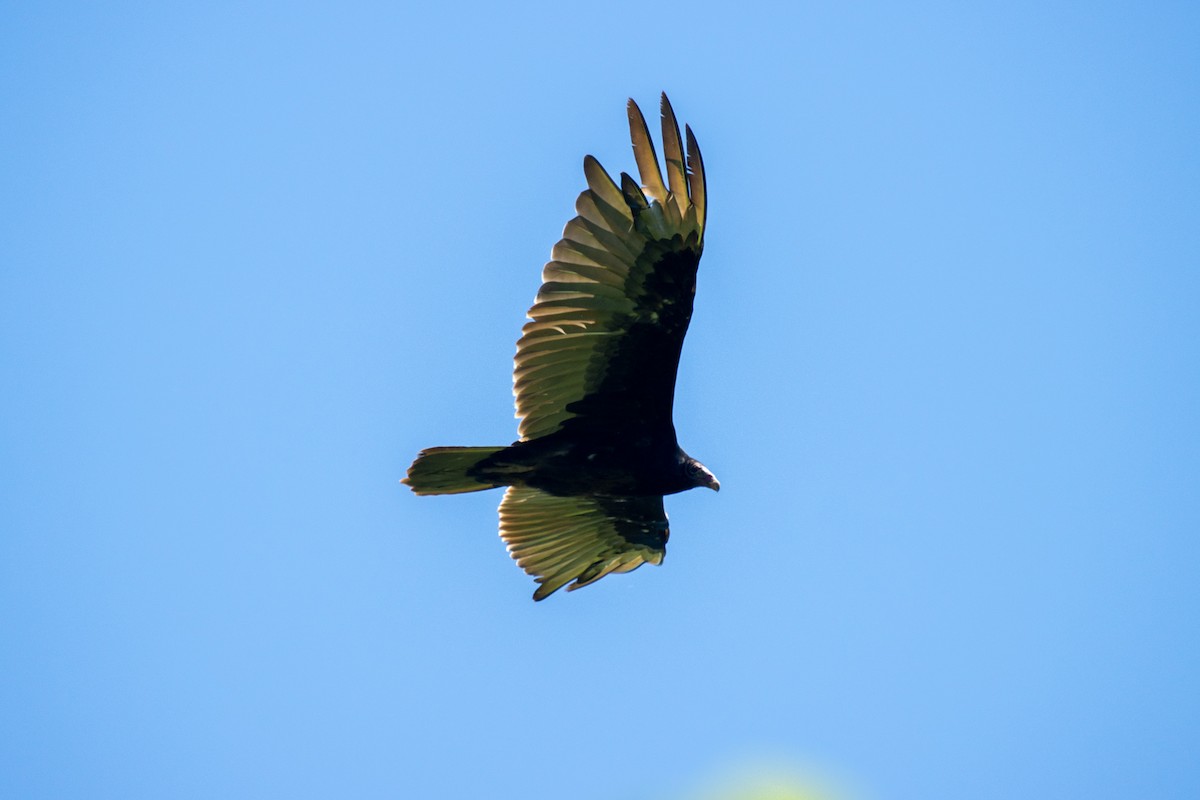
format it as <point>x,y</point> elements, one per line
<point>945,361</point>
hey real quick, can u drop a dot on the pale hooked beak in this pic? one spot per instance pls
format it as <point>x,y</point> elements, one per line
<point>712,481</point>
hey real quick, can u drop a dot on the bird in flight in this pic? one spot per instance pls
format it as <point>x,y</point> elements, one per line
<point>594,378</point>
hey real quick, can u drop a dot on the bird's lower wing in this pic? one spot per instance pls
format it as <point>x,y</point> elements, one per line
<point>581,538</point>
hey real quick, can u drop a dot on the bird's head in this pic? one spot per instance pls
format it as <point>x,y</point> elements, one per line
<point>699,475</point>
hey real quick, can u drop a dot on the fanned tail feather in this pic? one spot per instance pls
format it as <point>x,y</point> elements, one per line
<point>447,470</point>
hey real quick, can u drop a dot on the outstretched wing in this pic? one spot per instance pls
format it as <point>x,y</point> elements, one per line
<point>580,538</point>
<point>608,323</point>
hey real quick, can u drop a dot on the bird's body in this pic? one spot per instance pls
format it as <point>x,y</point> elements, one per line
<point>594,379</point>
<point>567,463</point>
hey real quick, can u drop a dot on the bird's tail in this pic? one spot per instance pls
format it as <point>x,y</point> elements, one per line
<point>448,470</point>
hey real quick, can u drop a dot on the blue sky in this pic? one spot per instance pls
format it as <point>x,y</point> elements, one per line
<point>944,361</point>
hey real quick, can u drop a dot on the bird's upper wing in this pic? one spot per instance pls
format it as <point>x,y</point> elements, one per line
<point>580,538</point>
<point>616,298</point>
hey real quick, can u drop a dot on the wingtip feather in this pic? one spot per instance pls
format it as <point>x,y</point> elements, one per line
<point>673,154</point>
<point>695,176</point>
<point>643,153</point>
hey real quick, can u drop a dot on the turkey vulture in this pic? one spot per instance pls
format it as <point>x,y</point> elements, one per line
<point>594,378</point>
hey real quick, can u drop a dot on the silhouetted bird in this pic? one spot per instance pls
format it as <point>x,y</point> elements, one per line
<point>595,378</point>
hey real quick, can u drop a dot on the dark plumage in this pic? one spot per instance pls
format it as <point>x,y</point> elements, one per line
<point>594,378</point>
